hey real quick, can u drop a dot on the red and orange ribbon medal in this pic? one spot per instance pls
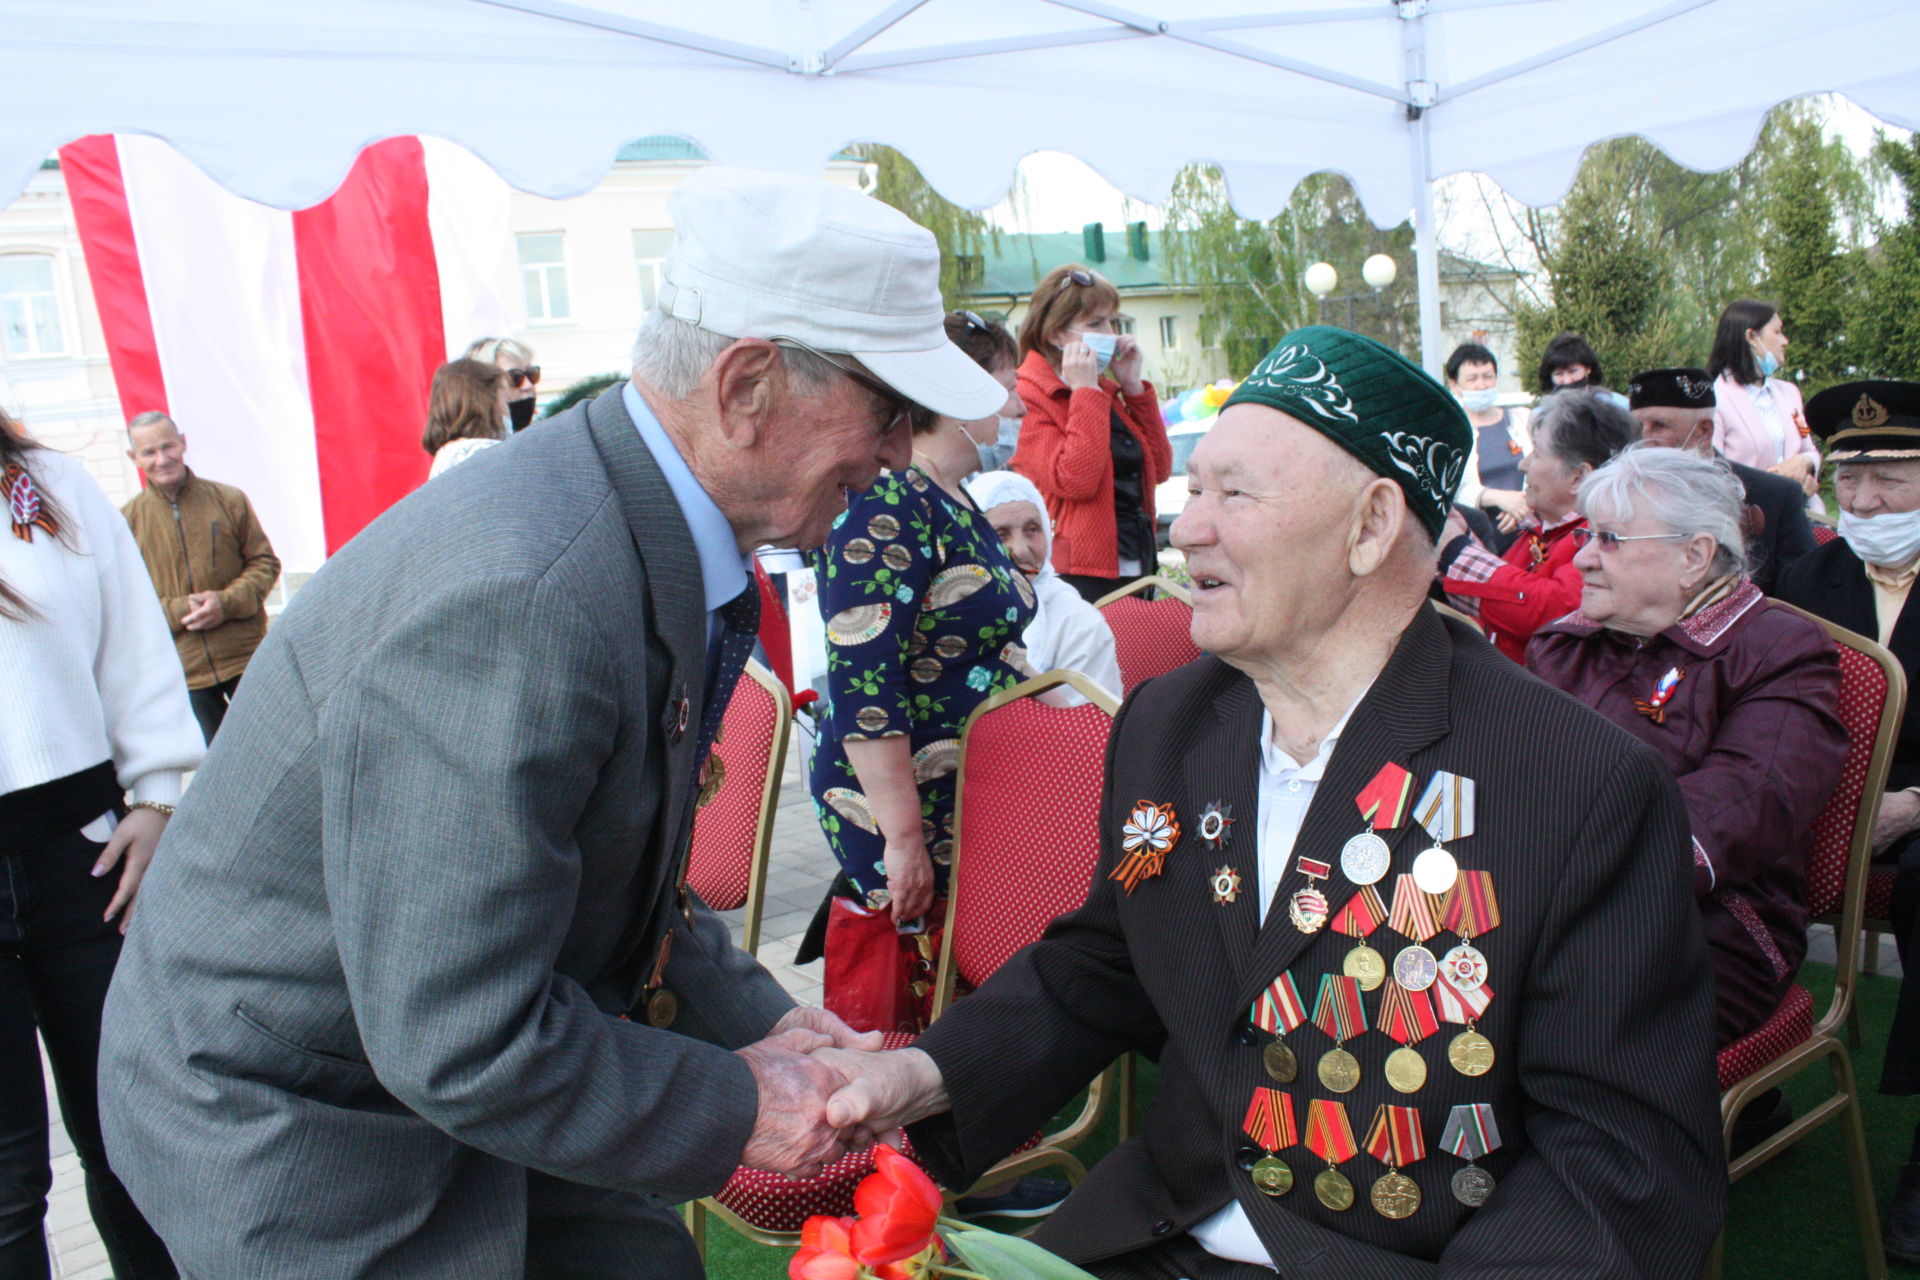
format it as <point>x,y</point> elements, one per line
<point>1278,1011</point>
<point>1338,1011</point>
<point>1383,805</point>
<point>1270,1124</point>
<point>1330,1136</point>
<point>1394,1138</point>
<point>1363,913</point>
<point>1407,1017</point>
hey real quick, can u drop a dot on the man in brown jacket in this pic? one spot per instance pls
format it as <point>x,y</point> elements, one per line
<point>209,559</point>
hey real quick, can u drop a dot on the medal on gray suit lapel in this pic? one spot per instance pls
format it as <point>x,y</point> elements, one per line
<point>1470,1134</point>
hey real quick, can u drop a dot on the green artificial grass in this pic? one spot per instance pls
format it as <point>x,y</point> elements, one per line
<point>1790,1220</point>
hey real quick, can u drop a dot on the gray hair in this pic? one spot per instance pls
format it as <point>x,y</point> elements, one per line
<point>151,418</point>
<point>488,350</point>
<point>1583,426</point>
<point>1682,492</point>
<point>671,356</point>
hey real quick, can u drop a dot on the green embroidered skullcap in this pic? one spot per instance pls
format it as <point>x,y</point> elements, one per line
<point>1374,403</point>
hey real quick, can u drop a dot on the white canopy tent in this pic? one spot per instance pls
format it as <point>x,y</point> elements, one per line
<point>274,99</point>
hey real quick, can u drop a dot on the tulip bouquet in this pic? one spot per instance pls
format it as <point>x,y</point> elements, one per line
<point>898,1234</point>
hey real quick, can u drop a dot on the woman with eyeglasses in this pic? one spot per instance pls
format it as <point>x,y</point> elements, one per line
<point>1760,420</point>
<point>1675,645</point>
<point>1574,434</point>
<point>1093,439</point>
<point>924,613</point>
<point>515,360</point>
<point>466,412</point>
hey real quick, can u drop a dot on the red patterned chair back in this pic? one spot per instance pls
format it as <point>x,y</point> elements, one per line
<point>733,830</point>
<point>1150,637</point>
<point>1873,696</point>
<point>1027,835</point>
<point>1823,533</point>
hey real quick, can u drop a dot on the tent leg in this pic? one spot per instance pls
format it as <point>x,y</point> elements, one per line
<point>1426,250</point>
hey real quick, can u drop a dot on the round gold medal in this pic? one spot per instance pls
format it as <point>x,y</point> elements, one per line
<point>1334,1190</point>
<point>1396,1195</point>
<point>1339,1070</point>
<point>1271,1176</point>
<point>1471,1054</point>
<point>1279,1061</point>
<point>1406,1069</point>
<point>662,1008</point>
<point>1366,965</point>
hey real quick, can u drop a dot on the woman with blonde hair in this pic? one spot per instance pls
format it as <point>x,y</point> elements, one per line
<point>466,412</point>
<point>515,360</point>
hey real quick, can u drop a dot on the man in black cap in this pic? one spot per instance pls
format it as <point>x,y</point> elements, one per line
<point>1675,410</point>
<point>1871,433</point>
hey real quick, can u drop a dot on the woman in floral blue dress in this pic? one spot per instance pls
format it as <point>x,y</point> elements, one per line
<point>924,613</point>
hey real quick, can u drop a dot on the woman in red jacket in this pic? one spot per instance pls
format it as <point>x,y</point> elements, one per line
<point>1093,439</point>
<point>1574,434</point>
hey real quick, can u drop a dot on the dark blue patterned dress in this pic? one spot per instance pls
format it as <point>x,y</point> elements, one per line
<point>924,615</point>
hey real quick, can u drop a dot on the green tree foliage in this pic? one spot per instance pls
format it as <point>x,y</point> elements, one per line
<point>960,232</point>
<point>1250,275</point>
<point>1887,313</point>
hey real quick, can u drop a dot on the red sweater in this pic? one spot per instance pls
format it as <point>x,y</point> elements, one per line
<point>1066,449</point>
<point>1534,584</point>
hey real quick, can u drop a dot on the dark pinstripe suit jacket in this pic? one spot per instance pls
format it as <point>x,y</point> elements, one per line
<point>1602,1017</point>
<point>378,963</point>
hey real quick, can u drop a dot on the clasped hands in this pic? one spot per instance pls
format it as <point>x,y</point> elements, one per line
<point>826,1089</point>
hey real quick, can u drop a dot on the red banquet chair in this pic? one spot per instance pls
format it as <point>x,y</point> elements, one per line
<point>991,913</point>
<point>1823,533</point>
<point>1151,636</point>
<point>733,829</point>
<point>1873,694</point>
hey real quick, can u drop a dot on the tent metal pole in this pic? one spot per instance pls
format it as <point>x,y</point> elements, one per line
<point>1422,94</point>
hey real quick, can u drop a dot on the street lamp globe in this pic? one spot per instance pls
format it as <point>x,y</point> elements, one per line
<point>1379,271</point>
<point>1322,279</point>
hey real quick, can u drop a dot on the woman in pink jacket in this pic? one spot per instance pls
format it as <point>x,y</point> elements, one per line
<point>1759,420</point>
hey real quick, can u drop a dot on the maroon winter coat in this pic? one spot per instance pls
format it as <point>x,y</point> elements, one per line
<point>1753,736</point>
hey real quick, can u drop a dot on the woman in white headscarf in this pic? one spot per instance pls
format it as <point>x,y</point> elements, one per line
<point>1066,631</point>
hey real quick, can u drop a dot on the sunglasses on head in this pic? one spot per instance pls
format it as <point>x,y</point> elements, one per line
<point>1082,278</point>
<point>974,323</point>
<point>527,377</point>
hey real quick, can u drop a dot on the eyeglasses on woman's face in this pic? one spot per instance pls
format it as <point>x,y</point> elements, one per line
<point>1610,541</point>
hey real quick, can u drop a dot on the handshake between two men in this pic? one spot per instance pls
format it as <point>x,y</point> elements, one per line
<point>826,1089</point>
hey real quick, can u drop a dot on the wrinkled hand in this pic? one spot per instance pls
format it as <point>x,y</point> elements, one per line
<point>1127,359</point>
<point>131,845</point>
<point>829,1025</point>
<point>204,611</point>
<point>1899,816</point>
<point>909,879</point>
<point>884,1090</point>
<point>1508,521</point>
<point>1079,367</point>
<point>790,1133</point>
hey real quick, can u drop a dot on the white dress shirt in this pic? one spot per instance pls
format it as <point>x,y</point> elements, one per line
<point>1286,792</point>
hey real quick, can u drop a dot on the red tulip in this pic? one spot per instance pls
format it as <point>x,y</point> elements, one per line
<point>898,1206</point>
<point>825,1251</point>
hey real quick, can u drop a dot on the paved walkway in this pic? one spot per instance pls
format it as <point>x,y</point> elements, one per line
<point>797,876</point>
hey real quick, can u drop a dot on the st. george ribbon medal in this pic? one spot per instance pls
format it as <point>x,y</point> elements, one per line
<point>1470,1052</point>
<point>1470,1134</point>
<point>1330,1136</point>
<point>1278,1011</point>
<point>1270,1124</point>
<point>1363,913</point>
<point>1471,910</point>
<point>1445,809</point>
<point>1465,967</point>
<point>1337,1010</point>
<point>1149,831</point>
<point>1412,916</point>
<point>1394,1138</point>
<point>1408,1018</point>
<point>1364,859</point>
<point>1307,908</point>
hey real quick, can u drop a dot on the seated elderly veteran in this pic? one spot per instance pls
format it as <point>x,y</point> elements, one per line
<point>1674,408</point>
<point>1675,644</point>
<point>1427,1000</point>
<point>1066,631</point>
<point>1535,582</point>
<point>1863,581</point>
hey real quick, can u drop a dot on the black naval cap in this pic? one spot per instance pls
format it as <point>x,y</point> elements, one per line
<point>1671,389</point>
<point>1868,421</point>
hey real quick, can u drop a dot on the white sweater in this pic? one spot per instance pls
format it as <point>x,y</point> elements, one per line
<point>95,675</point>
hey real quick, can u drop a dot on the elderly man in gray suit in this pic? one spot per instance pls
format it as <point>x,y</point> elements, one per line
<point>415,987</point>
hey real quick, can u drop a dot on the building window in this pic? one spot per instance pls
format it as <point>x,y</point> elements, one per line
<point>1170,333</point>
<point>29,306</point>
<point>649,262</point>
<point>543,275</point>
<point>1123,324</point>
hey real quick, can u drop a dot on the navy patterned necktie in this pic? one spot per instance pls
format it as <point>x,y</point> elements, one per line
<point>739,627</point>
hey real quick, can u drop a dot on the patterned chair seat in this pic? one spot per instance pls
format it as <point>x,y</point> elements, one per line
<point>1879,904</point>
<point>1790,1026</point>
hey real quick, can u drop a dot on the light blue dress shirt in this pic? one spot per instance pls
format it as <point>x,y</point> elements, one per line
<point>723,569</point>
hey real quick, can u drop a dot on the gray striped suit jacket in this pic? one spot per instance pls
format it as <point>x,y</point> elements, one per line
<point>378,965</point>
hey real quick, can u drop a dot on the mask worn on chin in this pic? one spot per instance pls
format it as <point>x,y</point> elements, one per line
<point>989,455</point>
<point>1102,345</point>
<point>1889,540</point>
<point>1767,362</point>
<point>1479,401</point>
<point>521,413</point>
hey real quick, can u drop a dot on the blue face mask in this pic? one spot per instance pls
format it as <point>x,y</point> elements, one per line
<point>1102,345</point>
<point>1767,362</point>
<point>1479,401</point>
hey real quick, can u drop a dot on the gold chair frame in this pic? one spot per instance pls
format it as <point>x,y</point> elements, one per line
<point>1140,586</point>
<point>1825,1042</point>
<point>1446,610</point>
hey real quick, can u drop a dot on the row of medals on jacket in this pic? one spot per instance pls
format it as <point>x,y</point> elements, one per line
<point>1394,1136</point>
